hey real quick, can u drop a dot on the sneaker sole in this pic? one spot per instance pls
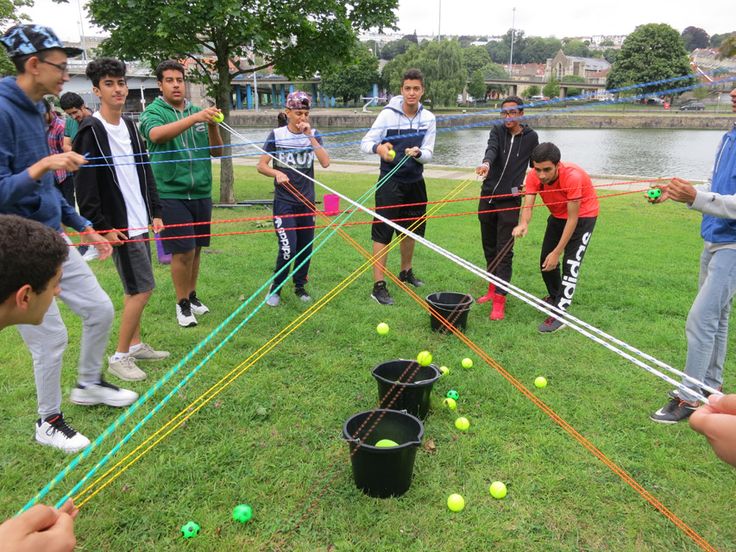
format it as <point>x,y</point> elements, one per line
<point>665,422</point>
<point>552,331</point>
<point>126,378</point>
<point>200,312</point>
<point>66,450</point>
<point>161,357</point>
<point>190,325</point>
<point>114,404</point>
<point>377,301</point>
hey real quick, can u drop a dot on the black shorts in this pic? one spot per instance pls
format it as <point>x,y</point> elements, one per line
<point>400,194</point>
<point>185,212</point>
<point>133,263</point>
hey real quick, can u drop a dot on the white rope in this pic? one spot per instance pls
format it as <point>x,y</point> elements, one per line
<point>539,304</point>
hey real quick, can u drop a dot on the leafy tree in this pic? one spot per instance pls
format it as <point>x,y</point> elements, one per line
<point>10,15</point>
<point>441,62</point>
<point>606,43</point>
<point>695,37</point>
<point>567,79</point>
<point>728,47</point>
<point>610,55</point>
<point>225,37</point>
<point>551,89</point>
<point>532,90</point>
<point>538,49</point>
<point>353,77</point>
<point>652,52</point>
<point>717,39</point>
<point>495,71</point>
<point>501,50</point>
<point>395,48</point>
<point>475,58</point>
<point>575,47</point>
<point>477,85</point>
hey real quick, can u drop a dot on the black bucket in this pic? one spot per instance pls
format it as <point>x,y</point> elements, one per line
<point>407,384</point>
<point>382,472</point>
<point>454,307</point>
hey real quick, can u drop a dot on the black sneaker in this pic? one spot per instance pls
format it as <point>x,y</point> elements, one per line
<point>672,393</point>
<point>381,294</point>
<point>674,411</point>
<point>302,294</point>
<point>196,305</point>
<point>550,325</point>
<point>408,277</point>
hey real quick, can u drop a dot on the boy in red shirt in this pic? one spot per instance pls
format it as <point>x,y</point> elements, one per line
<point>568,193</point>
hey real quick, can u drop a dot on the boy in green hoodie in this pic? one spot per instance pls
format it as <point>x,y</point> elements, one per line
<point>171,124</point>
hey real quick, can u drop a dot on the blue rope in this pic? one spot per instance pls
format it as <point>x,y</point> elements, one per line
<point>330,231</point>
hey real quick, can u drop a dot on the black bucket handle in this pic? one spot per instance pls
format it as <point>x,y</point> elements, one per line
<point>361,444</point>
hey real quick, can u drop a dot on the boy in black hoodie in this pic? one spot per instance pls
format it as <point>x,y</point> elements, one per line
<point>509,149</point>
<point>119,194</point>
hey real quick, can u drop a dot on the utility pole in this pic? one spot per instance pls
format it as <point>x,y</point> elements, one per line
<point>513,35</point>
<point>439,22</point>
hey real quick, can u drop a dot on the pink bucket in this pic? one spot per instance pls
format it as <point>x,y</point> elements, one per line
<point>332,204</point>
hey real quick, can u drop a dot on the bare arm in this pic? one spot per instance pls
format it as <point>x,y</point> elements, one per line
<point>266,170</point>
<point>526,216</point>
<point>552,260</point>
<point>165,133</point>
<point>213,131</point>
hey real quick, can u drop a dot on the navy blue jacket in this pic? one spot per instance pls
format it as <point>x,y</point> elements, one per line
<point>717,229</point>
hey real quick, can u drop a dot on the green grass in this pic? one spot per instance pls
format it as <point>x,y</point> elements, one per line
<point>638,281</point>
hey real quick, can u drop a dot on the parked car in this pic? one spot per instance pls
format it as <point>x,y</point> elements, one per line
<point>652,100</point>
<point>692,106</point>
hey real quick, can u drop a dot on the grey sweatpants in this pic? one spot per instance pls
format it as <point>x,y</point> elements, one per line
<point>81,292</point>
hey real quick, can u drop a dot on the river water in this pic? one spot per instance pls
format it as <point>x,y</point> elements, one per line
<point>636,152</point>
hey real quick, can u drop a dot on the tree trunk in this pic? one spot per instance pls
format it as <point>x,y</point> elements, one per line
<point>227,192</point>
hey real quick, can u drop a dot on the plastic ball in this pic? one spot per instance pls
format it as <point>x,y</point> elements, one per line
<point>391,155</point>
<point>450,403</point>
<point>455,503</point>
<point>467,363</point>
<point>382,328</point>
<point>497,490</point>
<point>190,529</point>
<point>386,443</point>
<point>444,370</point>
<point>452,394</point>
<point>242,513</point>
<point>540,382</point>
<point>462,424</point>
<point>654,193</point>
<point>220,117</point>
<point>424,358</point>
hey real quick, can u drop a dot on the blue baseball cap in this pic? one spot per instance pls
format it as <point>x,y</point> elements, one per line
<point>25,40</point>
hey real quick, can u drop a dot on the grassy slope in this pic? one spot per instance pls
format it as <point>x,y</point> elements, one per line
<point>638,281</point>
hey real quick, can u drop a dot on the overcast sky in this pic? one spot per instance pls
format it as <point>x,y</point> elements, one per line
<point>486,17</point>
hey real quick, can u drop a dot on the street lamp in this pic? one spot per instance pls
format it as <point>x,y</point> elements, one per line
<point>513,33</point>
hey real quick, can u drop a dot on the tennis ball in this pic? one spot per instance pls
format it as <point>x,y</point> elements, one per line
<point>462,424</point>
<point>382,328</point>
<point>386,443</point>
<point>242,513</point>
<point>467,363</point>
<point>220,117</point>
<point>450,403</point>
<point>497,490</point>
<point>455,503</point>
<point>424,358</point>
<point>444,370</point>
<point>391,155</point>
<point>540,382</point>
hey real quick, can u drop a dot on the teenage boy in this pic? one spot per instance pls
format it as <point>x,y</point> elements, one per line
<point>28,284</point>
<point>55,135</point>
<point>504,166</point>
<point>404,128</point>
<point>119,197</point>
<point>27,189</point>
<point>76,111</point>
<point>707,323</point>
<point>173,125</point>
<point>568,193</point>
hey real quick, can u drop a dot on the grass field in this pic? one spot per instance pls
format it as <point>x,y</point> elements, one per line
<point>273,438</point>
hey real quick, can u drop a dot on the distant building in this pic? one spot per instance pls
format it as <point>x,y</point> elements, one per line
<point>562,66</point>
<point>527,70</point>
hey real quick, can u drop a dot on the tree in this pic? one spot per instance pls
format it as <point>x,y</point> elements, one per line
<point>567,79</point>
<point>695,37</point>
<point>395,48</point>
<point>475,58</point>
<point>575,47</point>
<point>353,77</point>
<point>652,52</point>
<point>9,15</point>
<point>501,50</point>
<point>610,55</point>
<point>532,90</point>
<point>551,89</point>
<point>225,37</point>
<point>441,62</point>
<point>728,47</point>
<point>717,39</point>
<point>477,85</point>
<point>539,50</point>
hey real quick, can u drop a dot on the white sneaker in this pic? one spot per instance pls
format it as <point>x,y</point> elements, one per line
<point>146,352</point>
<point>273,300</point>
<point>91,254</point>
<point>196,305</point>
<point>126,369</point>
<point>184,314</point>
<point>102,393</point>
<point>55,432</point>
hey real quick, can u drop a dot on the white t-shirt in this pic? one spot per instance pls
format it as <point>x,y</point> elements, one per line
<point>127,175</point>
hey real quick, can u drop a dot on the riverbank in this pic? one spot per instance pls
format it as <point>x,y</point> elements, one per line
<point>347,118</point>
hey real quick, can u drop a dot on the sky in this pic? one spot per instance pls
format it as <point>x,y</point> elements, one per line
<point>486,17</point>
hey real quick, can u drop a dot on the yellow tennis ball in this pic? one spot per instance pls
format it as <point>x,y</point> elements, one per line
<point>424,358</point>
<point>444,370</point>
<point>462,423</point>
<point>540,382</point>
<point>220,117</point>
<point>450,403</point>
<point>467,363</point>
<point>498,490</point>
<point>391,155</point>
<point>385,443</point>
<point>382,328</point>
<point>455,503</point>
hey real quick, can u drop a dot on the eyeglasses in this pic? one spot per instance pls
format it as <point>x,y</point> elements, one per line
<point>63,67</point>
<point>510,113</point>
